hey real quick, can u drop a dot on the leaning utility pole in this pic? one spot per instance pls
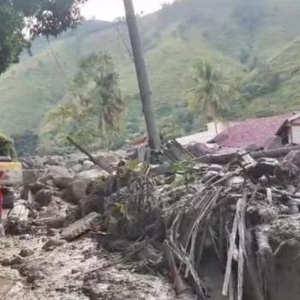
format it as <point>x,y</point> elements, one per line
<point>142,76</point>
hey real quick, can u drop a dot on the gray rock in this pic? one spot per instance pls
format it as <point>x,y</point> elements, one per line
<point>43,197</point>
<point>56,222</point>
<point>52,232</point>
<point>294,158</point>
<point>53,171</point>
<point>75,191</point>
<point>52,243</point>
<point>76,168</point>
<point>53,161</point>
<point>108,159</point>
<point>26,252</point>
<point>92,174</point>
<point>50,211</point>
<point>87,165</point>
<point>71,163</point>
<point>62,181</point>
<point>30,176</point>
<point>198,149</point>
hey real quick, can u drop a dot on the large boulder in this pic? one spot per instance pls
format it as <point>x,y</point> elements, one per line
<point>55,171</point>
<point>62,181</point>
<point>75,191</point>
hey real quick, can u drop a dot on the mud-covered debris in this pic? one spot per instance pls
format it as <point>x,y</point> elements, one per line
<point>20,212</point>
<point>79,227</point>
<point>52,244</point>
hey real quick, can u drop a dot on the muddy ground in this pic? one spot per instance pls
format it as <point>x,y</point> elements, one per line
<point>76,270</point>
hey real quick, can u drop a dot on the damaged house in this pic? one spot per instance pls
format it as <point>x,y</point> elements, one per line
<point>261,133</point>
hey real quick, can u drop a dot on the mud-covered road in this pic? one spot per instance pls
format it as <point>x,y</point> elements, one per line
<point>35,267</point>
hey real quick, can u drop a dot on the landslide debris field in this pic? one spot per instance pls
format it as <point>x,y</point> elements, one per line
<point>188,230</point>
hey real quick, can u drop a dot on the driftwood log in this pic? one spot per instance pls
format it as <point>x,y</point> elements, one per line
<point>90,156</point>
<point>223,159</point>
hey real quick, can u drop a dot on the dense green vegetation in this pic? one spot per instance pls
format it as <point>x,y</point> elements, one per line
<point>253,43</point>
<point>94,116</point>
<point>39,17</point>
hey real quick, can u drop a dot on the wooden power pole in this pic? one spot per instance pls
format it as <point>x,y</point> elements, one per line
<point>142,76</point>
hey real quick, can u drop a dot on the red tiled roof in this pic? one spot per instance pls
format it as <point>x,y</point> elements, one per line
<point>250,132</point>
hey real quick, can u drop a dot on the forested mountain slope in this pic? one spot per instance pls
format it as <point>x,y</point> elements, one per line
<point>254,42</point>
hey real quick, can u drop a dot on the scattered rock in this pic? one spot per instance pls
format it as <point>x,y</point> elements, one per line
<point>17,260</point>
<point>62,181</point>
<point>50,211</point>
<point>26,252</point>
<point>30,176</point>
<point>52,243</point>
<point>198,149</point>
<point>53,161</point>
<point>87,165</point>
<point>52,232</point>
<point>77,168</point>
<point>43,197</point>
<point>56,222</point>
<point>108,159</point>
<point>71,163</point>
<point>75,191</point>
<point>92,174</point>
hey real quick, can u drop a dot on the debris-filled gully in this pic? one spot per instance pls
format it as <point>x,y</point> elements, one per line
<point>196,231</point>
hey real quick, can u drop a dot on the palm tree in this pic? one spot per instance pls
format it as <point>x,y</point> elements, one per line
<point>211,92</point>
<point>96,106</point>
<point>98,83</point>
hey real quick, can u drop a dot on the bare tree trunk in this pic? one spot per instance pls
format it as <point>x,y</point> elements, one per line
<point>142,76</point>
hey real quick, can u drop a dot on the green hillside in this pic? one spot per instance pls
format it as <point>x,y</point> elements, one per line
<point>239,37</point>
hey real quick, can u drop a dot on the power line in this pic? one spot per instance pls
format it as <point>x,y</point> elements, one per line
<point>61,69</point>
<point>115,25</point>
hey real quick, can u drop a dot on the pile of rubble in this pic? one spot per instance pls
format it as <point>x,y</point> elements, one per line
<point>221,231</point>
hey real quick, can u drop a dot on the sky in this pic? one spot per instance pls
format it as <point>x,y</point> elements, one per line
<point>109,10</point>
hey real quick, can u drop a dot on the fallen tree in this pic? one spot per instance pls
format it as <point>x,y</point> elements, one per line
<point>223,159</point>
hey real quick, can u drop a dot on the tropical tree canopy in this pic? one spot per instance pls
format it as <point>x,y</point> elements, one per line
<point>211,93</point>
<point>21,18</point>
<point>98,109</point>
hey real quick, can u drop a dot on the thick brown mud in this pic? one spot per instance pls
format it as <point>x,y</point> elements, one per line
<point>63,272</point>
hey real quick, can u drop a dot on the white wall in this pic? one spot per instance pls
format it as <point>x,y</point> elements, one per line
<point>295,134</point>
